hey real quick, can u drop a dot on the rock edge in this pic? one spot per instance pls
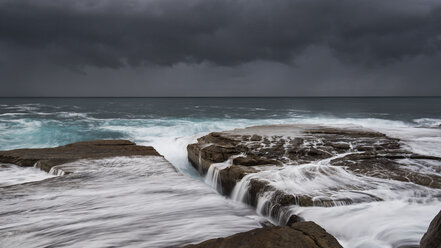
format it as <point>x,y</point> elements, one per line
<point>302,234</point>
<point>46,158</point>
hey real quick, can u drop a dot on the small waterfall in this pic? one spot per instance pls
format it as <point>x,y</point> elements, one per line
<point>200,162</point>
<point>212,176</point>
<point>240,191</point>
<point>265,206</point>
<point>53,171</point>
<point>56,171</point>
<point>298,180</point>
<point>37,164</point>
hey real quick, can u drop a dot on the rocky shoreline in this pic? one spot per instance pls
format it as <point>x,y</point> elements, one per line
<point>255,149</point>
<point>231,160</point>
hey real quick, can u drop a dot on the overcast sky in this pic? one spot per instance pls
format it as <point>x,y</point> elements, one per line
<point>220,47</point>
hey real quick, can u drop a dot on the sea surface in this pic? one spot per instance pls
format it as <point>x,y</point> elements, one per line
<point>150,205</point>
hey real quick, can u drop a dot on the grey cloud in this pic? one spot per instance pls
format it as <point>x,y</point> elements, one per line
<point>316,73</point>
<point>114,34</point>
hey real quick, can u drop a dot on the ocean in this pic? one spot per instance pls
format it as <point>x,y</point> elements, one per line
<point>169,210</point>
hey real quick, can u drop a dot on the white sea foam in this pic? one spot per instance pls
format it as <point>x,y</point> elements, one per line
<point>401,218</point>
<point>71,115</point>
<point>13,174</point>
<point>387,224</point>
<point>358,219</point>
<point>13,114</point>
<point>123,202</point>
<point>327,184</point>
<point>428,122</point>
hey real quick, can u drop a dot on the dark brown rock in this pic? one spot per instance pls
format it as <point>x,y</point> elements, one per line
<point>231,175</point>
<point>253,160</point>
<point>294,219</point>
<point>317,233</point>
<point>372,154</point>
<point>432,238</point>
<point>302,144</point>
<point>96,149</point>
<point>256,138</point>
<point>386,166</point>
<point>344,131</point>
<point>303,234</point>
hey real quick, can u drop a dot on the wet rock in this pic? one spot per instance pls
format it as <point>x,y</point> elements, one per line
<point>317,233</point>
<point>308,154</point>
<point>256,138</point>
<point>253,160</point>
<point>303,234</point>
<point>294,219</point>
<point>46,158</point>
<point>387,166</point>
<point>344,131</point>
<point>269,148</point>
<point>232,175</point>
<point>432,238</point>
<point>370,153</point>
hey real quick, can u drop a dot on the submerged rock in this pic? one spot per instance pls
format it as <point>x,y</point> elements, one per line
<point>301,234</point>
<point>46,158</point>
<point>432,238</point>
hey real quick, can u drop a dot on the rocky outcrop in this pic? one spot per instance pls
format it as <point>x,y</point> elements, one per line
<point>46,158</point>
<point>432,238</point>
<point>300,234</point>
<point>251,150</point>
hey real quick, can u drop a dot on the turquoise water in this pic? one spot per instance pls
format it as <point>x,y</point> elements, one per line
<point>48,122</point>
<point>37,122</point>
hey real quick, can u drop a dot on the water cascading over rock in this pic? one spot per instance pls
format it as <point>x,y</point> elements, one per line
<point>276,167</point>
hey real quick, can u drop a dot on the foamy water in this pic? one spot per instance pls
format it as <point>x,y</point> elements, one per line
<point>400,218</point>
<point>12,174</point>
<point>135,207</point>
<point>118,202</point>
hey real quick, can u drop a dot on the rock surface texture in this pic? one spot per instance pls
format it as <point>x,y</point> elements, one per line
<point>46,158</point>
<point>432,238</point>
<point>303,234</point>
<point>299,152</point>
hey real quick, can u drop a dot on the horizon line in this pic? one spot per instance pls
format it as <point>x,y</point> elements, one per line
<point>404,96</point>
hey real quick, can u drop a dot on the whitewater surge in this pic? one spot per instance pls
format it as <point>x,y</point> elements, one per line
<point>12,174</point>
<point>360,211</point>
<point>119,202</point>
<point>142,205</point>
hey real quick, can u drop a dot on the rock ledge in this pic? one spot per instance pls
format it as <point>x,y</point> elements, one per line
<point>46,158</point>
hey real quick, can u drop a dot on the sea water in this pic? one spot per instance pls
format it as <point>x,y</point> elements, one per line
<point>45,213</point>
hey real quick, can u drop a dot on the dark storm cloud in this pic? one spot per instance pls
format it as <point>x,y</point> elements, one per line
<point>219,47</point>
<point>113,34</point>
